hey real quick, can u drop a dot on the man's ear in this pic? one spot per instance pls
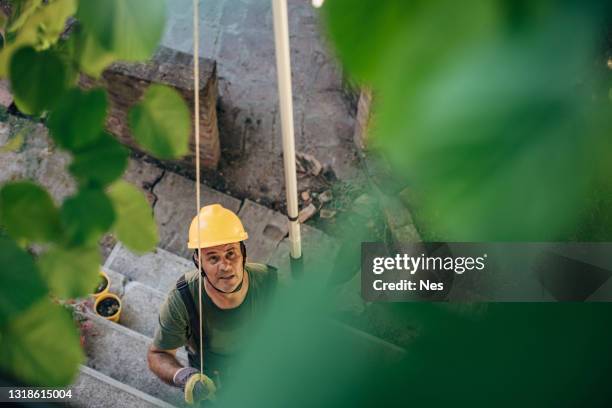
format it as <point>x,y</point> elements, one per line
<point>194,258</point>
<point>243,251</point>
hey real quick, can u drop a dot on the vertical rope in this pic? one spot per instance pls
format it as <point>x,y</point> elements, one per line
<point>196,119</point>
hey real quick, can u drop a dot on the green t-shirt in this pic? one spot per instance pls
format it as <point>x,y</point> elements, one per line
<point>225,331</point>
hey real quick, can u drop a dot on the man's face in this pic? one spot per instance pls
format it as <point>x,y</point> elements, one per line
<point>223,265</point>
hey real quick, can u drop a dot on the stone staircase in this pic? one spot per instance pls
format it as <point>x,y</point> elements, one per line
<point>116,372</point>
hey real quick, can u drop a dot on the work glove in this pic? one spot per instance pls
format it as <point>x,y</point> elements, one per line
<point>197,387</point>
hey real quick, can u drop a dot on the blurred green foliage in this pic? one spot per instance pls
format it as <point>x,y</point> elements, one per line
<point>43,59</point>
<point>41,80</point>
<point>28,212</point>
<point>78,120</point>
<point>18,271</point>
<point>495,113</point>
<point>135,223</point>
<point>100,162</point>
<point>130,30</point>
<point>42,345</point>
<point>161,113</point>
<point>496,116</point>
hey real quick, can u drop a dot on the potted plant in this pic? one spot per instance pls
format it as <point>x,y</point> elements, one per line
<point>103,285</point>
<point>108,305</point>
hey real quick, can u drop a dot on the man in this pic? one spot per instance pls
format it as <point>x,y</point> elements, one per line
<point>233,296</point>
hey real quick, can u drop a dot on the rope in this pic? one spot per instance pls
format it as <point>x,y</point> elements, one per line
<point>196,108</point>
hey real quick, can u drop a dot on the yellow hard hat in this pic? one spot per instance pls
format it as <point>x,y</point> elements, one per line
<point>218,226</point>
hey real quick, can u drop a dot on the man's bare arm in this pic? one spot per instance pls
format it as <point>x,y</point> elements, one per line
<point>163,363</point>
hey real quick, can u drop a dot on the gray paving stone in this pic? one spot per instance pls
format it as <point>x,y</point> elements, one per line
<point>179,25</point>
<point>52,174</point>
<point>266,228</point>
<point>140,308</point>
<point>6,97</point>
<point>158,269</point>
<point>36,159</point>
<point>120,353</point>
<point>143,175</point>
<point>93,389</point>
<point>175,208</point>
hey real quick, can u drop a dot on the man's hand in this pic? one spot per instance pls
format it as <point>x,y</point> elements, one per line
<point>197,387</point>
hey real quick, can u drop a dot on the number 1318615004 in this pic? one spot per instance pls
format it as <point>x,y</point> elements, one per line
<point>37,394</point>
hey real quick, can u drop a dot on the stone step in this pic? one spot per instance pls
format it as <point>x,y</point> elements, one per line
<point>92,389</point>
<point>140,308</point>
<point>121,354</point>
<point>158,269</point>
<point>117,281</point>
<point>140,303</point>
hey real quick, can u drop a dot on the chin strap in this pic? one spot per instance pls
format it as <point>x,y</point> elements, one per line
<point>223,291</point>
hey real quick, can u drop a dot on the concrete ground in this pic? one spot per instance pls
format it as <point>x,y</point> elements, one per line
<point>238,34</point>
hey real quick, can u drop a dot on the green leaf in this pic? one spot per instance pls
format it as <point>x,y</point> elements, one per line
<point>42,346</point>
<point>21,11</point>
<point>129,29</point>
<point>91,56</point>
<point>479,110</point>
<point>87,216</point>
<point>135,225</point>
<point>49,21</point>
<point>404,36</point>
<point>101,162</point>
<point>20,282</point>
<point>78,119</point>
<point>40,30</point>
<point>161,122</point>
<point>27,211</point>
<point>38,80</point>
<point>71,273</point>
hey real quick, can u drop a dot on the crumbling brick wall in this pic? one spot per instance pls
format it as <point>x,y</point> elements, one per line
<point>127,82</point>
